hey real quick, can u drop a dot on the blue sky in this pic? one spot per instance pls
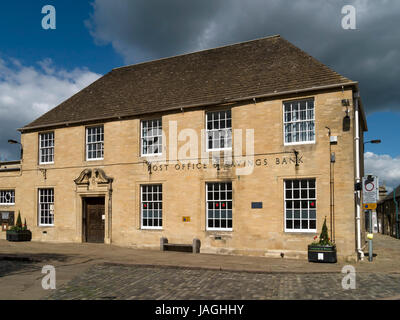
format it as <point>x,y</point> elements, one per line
<point>70,45</point>
<point>40,68</point>
<point>383,125</point>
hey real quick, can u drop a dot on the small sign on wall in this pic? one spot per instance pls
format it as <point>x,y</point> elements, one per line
<point>7,217</point>
<point>186,219</point>
<point>256,205</point>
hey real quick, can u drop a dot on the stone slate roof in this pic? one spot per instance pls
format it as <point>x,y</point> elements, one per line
<point>259,67</point>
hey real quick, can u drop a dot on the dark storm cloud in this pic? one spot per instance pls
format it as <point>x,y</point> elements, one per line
<point>149,29</point>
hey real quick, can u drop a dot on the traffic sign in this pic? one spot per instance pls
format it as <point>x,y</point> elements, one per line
<point>370,187</point>
<point>369,206</point>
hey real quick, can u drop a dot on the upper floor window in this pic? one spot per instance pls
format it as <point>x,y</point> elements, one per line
<point>299,121</point>
<point>46,147</point>
<point>7,197</point>
<point>219,206</point>
<point>219,130</point>
<point>95,143</point>
<point>151,137</point>
<point>300,205</point>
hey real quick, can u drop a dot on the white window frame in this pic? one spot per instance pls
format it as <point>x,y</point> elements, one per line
<point>42,207</point>
<point>158,202</point>
<point>220,206</point>
<point>3,194</point>
<point>227,129</point>
<point>93,143</point>
<point>308,199</point>
<point>152,135</point>
<point>43,135</point>
<point>299,121</point>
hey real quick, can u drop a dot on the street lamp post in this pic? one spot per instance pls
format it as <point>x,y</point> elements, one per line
<point>370,251</point>
<point>373,141</point>
<point>10,141</point>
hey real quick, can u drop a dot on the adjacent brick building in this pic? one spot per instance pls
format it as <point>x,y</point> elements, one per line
<point>102,166</point>
<point>386,211</point>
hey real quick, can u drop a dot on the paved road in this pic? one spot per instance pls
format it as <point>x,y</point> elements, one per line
<point>116,281</point>
<point>83,271</point>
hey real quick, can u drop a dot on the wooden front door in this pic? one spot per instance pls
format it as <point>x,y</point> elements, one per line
<point>95,219</point>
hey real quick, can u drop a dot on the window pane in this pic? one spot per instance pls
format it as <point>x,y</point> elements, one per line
<point>299,121</point>
<point>219,127</point>
<point>151,204</point>
<point>302,210</point>
<point>7,196</point>
<point>95,142</point>
<point>46,206</point>
<point>220,212</point>
<point>151,137</point>
<point>46,147</point>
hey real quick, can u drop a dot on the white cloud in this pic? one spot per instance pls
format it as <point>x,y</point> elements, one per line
<point>26,92</point>
<point>385,167</point>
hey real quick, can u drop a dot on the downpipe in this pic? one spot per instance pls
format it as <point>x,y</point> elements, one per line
<point>358,178</point>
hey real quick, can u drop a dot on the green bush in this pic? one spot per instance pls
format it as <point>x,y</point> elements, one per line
<point>324,239</point>
<point>18,225</point>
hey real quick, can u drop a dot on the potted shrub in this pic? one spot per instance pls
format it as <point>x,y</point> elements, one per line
<point>322,250</point>
<point>19,232</point>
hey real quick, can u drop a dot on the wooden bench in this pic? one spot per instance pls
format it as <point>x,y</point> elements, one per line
<point>194,247</point>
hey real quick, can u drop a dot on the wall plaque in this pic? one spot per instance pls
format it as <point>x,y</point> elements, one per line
<point>7,217</point>
<point>256,205</point>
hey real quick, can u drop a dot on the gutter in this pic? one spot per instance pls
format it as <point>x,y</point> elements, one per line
<point>5,163</point>
<point>10,169</point>
<point>204,104</point>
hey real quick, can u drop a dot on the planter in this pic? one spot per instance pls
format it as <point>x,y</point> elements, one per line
<point>320,253</point>
<point>24,235</point>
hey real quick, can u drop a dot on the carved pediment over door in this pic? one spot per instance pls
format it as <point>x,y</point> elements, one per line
<point>92,178</point>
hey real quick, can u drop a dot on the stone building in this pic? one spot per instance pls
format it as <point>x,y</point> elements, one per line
<point>386,210</point>
<point>247,147</point>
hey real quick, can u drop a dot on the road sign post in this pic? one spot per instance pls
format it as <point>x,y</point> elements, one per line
<point>370,187</point>
<point>370,251</point>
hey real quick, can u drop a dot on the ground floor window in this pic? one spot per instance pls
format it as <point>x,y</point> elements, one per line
<point>151,206</point>
<point>46,207</point>
<point>219,206</point>
<point>7,197</point>
<point>300,205</point>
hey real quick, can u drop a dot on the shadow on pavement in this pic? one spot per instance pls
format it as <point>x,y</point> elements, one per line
<point>14,263</point>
